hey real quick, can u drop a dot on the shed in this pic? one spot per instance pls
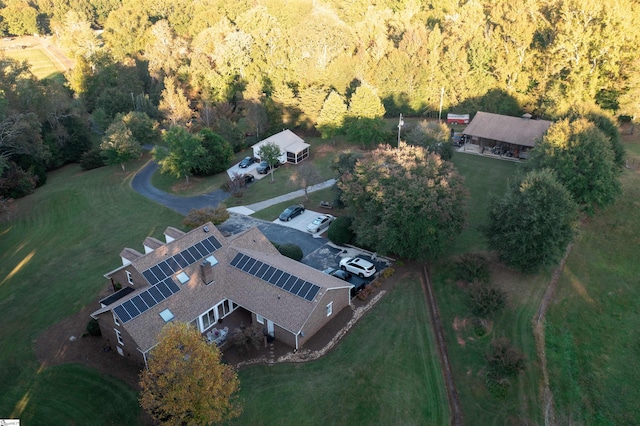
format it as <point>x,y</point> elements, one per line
<point>488,130</point>
<point>293,149</point>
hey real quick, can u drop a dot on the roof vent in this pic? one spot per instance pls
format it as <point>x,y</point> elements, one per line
<point>206,229</point>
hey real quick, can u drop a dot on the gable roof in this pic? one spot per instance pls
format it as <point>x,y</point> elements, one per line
<point>286,140</point>
<point>224,281</point>
<point>503,128</point>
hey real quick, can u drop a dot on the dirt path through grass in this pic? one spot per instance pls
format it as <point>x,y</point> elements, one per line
<point>548,406</point>
<point>452,392</point>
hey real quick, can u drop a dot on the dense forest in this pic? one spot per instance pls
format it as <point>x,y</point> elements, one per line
<point>250,67</point>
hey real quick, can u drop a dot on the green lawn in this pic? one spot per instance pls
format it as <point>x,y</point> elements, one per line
<point>593,328</point>
<point>41,65</point>
<point>66,236</point>
<point>384,372</point>
<point>484,177</point>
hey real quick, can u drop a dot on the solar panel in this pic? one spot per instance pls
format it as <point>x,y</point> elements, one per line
<point>131,308</point>
<point>256,266</point>
<point>172,285</point>
<point>215,242</point>
<point>243,261</point>
<point>312,293</point>
<point>297,285</point>
<point>203,251</point>
<point>140,304</point>
<point>188,257</point>
<point>158,273</point>
<point>156,294</point>
<point>164,289</point>
<point>173,264</point>
<point>195,253</point>
<point>207,245</point>
<point>166,269</point>
<point>122,314</point>
<point>146,296</point>
<point>290,282</point>
<point>150,277</point>
<point>182,262</point>
<point>305,288</point>
<point>268,273</point>
<point>275,276</point>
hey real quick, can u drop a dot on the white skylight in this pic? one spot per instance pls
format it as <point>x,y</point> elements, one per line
<point>212,260</point>
<point>183,277</point>
<point>166,315</point>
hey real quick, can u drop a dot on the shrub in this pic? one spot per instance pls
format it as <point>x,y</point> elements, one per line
<point>388,272</point>
<point>198,217</point>
<point>498,387</point>
<point>91,159</point>
<point>93,327</point>
<point>504,359</point>
<point>472,267</point>
<point>16,183</point>
<point>485,300</point>
<point>340,232</point>
<point>292,251</point>
<point>246,338</point>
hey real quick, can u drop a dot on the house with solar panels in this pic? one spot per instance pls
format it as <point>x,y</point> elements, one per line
<point>201,277</point>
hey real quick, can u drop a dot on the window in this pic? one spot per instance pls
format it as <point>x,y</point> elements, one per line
<point>119,337</point>
<point>115,318</point>
<point>260,319</point>
<point>166,315</point>
<point>183,277</point>
<point>129,277</point>
<point>329,309</point>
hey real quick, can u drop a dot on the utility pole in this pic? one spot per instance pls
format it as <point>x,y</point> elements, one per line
<point>441,99</point>
<point>400,124</point>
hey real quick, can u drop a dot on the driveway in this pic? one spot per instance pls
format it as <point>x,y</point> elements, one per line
<point>142,184</point>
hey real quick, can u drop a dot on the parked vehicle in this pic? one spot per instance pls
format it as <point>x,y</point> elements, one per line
<point>320,223</point>
<point>247,161</point>
<point>264,167</point>
<point>358,266</point>
<point>246,179</point>
<point>291,212</point>
<point>338,273</point>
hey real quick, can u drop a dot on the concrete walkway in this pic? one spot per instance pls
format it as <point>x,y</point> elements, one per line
<point>252,208</point>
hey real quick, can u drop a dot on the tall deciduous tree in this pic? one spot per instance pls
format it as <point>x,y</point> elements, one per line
<point>186,381</point>
<point>306,174</point>
<point>364,103</point>
<point>367,131</point>
<point>405,201</point>
<point>433,135</point>
<point>218,154</point>
<point>270,152</point>
<point>183,153</point>
<point>332,115</point>
<point>174,105</point>
<point>582,157</point>
<point>532,224</point>
<point>118,145</point>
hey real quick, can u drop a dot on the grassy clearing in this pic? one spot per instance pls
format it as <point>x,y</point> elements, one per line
<point>66,236</point>
<point>484,177</point>
<point>592,328</point>
<point>41,66</point>
<point>384,372</point>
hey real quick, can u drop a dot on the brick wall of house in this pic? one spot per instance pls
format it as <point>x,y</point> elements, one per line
<point>120,276</point>
<point>129,348</point>
<point>340,299</point>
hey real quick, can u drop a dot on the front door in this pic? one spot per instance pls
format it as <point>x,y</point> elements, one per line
<point>270,328</point>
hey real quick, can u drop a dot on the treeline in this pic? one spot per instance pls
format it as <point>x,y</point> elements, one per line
<point>258,66</point>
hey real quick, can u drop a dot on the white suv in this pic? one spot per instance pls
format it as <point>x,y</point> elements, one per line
<point>358,266</point>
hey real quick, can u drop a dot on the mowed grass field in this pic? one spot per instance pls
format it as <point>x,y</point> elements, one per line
<point>52,257</point>
<point>593,328</point>
<point>486,177</point>
<point>41,65</point>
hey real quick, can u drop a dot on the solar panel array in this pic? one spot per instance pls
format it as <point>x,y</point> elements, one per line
<point>276,277</point>
<point>146,300</point>
<point>186,257</point>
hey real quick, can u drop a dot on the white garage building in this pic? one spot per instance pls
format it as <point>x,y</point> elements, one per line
<point>293,149</point>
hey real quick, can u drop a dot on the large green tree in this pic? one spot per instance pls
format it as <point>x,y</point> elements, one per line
<point>583,159</point>
<point>433,135</point>
<point>183,152</point>
<point>405,201</point>
<point>186,382</point>
<point>218,154</point>
<point>332,115</point>
<point>270,152</point>
<point>118,144</point>
<point>532,224</point>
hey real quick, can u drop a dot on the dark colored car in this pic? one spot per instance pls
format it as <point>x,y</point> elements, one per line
<point>291,212</point>
<point>338,273</point>
<point>263,167</point>
<point>247,161</point>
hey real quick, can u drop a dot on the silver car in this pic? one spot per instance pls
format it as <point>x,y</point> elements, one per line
<point>320,223</point>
